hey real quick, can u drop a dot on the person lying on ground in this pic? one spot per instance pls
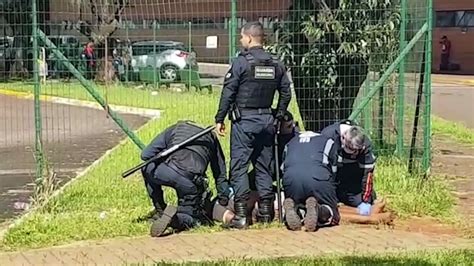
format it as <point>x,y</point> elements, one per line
<point>224,214</point>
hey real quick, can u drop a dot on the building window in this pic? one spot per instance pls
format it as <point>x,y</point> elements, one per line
<point>463,18</point>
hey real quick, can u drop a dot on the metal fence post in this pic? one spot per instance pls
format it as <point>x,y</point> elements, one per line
<point>233,27</point>
<point>427,125</point>
<point>38,123</point>
<point>401,83</point>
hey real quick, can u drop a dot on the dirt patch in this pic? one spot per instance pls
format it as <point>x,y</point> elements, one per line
<point>426,225</point>
<point>455,161</point>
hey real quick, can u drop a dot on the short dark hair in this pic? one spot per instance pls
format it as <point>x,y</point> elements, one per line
<point>254,29</point>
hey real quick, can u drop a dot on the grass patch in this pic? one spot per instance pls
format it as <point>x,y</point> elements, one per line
<point>449,257</point>
<point>103,205</point>
<point>457,131</point>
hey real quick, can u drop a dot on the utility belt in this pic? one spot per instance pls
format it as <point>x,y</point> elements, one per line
<point>236,112</point>
<point>199,180</point>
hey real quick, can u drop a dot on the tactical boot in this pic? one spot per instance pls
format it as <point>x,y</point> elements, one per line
<point>159,226</point>
<point>312,214</point>
<point>240,220</point>
<point>293,221</point>
<point>266,212</point>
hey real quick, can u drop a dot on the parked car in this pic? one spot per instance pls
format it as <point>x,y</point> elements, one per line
<point>168,56</point>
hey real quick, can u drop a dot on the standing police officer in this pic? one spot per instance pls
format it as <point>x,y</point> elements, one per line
<point>247,95</point>
<point>184,170</point>
<point>356,163</point>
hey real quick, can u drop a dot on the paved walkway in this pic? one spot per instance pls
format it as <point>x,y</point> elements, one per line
<point>234,244</point>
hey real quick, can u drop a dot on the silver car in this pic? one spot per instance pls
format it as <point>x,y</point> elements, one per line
<point>168,56</point>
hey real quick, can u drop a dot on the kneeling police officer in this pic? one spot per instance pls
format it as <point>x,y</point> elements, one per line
<point>248,92</point>
<point>184,170</point>
<point>309,182</point>
<point>356,163</point>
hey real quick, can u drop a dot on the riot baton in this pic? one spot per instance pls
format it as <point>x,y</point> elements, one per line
<point>168,151</point>
<point>277,171</point>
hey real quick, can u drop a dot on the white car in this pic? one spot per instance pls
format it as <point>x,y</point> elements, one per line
<point>168,56</point>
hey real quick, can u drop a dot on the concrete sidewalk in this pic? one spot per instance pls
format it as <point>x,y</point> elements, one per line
<point>453,79</point>
<point>248,244</point>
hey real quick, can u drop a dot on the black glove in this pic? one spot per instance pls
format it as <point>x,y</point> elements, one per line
<point>280,115</point>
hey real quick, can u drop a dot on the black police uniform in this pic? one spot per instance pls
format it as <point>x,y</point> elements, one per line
<point>184,170</point>
<point>248,92</point>
<point>309,167</point>
<point>355,173</point>
<point>283,139</point>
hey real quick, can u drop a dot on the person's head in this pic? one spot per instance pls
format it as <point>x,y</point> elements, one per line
<point>252,34</point>
<point>353,140</point>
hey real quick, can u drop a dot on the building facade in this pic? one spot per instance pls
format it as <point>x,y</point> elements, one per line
<point>455,20</point>
<point>452,18</point>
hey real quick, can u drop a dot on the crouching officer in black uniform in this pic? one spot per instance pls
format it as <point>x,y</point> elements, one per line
<point>184,170</point>
<point>249,88</point>
<point>309,166</point>
<point>356,163</point>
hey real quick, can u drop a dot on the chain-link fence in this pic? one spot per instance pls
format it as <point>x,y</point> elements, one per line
<point>79,75</point>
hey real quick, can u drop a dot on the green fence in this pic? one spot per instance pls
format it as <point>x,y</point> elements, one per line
<point>79,76</point>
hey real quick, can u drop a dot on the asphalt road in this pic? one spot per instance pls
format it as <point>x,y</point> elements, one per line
<point>454,102</point>
<point>74,137</point>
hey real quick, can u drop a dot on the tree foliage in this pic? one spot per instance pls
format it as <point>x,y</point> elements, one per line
<point>330,46</point>
<point>106,17</point>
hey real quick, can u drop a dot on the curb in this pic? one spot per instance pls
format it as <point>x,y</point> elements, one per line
<point>469,82</point>
<point>17,221</point>
<point>152,113</point>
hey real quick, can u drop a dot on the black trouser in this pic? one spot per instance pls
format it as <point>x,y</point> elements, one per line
<point>300,183</point>
<point>252,141</point>
<point>189,195</point>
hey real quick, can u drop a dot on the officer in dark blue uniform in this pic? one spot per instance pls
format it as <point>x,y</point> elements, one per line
<point>288,129</point>
<point>247,95</point>
<point>356,162</point>
<point>184,170</point>
<point>309,182</point>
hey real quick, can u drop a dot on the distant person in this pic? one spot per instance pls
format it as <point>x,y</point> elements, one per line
<point>445,53</point>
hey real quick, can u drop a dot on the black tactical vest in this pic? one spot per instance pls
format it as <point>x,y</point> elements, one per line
<point>263,79</point>
<point>195,156</point>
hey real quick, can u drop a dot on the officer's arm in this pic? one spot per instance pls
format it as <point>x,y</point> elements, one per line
<point>367,162</point>
<point>284,90</point>
<point>157,145</point>
<point>218,169</point>
<point>332,155</point>
<point>230,87</point>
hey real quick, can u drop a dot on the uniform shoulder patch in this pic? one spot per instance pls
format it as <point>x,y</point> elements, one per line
<point>306,136</point>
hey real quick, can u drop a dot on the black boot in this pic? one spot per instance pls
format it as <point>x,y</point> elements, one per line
<point>160,225</point>
<point>240,220</point>
<point>266,212</point>
<point>157,212</point>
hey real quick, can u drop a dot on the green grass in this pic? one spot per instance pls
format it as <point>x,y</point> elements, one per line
<point>448,257</point>
<point>76,213</point>
<point>456,131</point>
